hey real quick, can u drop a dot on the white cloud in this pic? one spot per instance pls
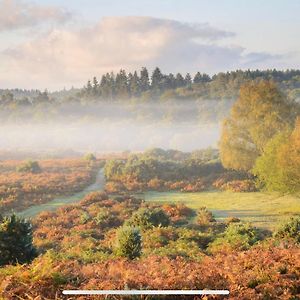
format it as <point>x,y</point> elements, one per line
<point>65,57</point>
<point>17,14</point>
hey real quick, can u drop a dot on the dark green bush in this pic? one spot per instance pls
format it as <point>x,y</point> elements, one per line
<point>129,242</point>
<point>15,240</point>
<point>146,218</point>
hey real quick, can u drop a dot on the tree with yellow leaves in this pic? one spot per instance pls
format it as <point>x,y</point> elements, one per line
<point>260,112</point>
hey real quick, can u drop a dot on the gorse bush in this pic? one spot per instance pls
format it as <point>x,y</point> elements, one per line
<point>29,167</point>
<point>129,242</point>
<point>15,240</point>
<point>146,218</point>
<point>290,230</point>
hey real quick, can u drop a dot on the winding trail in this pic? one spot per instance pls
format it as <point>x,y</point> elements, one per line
<point>63,200</point>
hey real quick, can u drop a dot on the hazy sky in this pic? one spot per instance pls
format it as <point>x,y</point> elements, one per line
<point>54,44</point>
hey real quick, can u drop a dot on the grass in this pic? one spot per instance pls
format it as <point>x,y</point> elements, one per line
<point>265,210</point>
<point>61,201</point>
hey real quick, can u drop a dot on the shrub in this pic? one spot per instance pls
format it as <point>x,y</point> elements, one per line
<point>90,157</point>
<point>178,213</point>
<point>240,186</point>
<point>15,240</point>
<point>146,218</point>
<point>29,167</point>
<point>84,218</point>
<point>155,184</point>
<point>237,236</point>
<point>94,197</point>
<point>129,242</point>
<point>114,187</point>
<point>232,220</point>
<point>290,230</point>
<point>205,217</point>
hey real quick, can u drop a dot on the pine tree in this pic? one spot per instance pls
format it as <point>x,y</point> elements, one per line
<point>129,242</point>
<point>157,79</point>
<point>95,86</point>
<point>179,80</point>
<point>201,78</point>
<point>134,84</point>
<point>89,87</point>
<point>122,85</point>
<point>144,80</point>
<point>15,240</point>
<point>171,81</point>
<point>188,79</point>
<point>197,78</point>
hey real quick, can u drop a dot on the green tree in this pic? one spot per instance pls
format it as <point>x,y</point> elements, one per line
<point>278,168</point>
<point>260,112</point>
<point>157,80</point>
<point>188,80</point>
<point>180,80</point>
<point>89,87</point>
<point>199,78</point>
<point>144,80</point>
<point>129,242</point>
<point>121,85</point>
<point>15,240</point>
<point>134,84</point>
<point>95,86</point>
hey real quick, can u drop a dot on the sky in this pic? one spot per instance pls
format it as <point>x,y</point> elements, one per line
<point>59,44</point>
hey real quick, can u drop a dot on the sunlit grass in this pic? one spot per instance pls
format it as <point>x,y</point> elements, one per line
<point>262,209</point>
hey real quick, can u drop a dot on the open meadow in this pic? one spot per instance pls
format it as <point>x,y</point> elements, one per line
<point>265,210</point>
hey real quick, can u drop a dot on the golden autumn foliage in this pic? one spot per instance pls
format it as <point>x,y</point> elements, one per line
<point>76,252</point>
<point>19,190</point>
<point>260,112</point>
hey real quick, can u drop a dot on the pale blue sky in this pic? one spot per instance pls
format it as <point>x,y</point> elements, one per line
<point>256,34</point>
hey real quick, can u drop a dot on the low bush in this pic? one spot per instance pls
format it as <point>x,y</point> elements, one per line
<point>146,218</point>
<point>290,230</point>
<point>29,167</point>
<point>247,185</point>
<point>237,236</point>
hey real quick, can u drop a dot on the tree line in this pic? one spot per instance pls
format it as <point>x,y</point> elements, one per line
<point>134,84</point>
<point>157,85</point>
<point>123,85</point>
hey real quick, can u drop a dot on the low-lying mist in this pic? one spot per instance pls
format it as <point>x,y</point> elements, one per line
<point>113,127</point>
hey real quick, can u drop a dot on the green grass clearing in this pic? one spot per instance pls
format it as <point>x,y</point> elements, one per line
<point>265,210</point>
